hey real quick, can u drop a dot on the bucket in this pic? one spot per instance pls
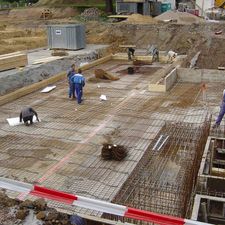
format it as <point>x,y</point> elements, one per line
<point>130,70</point>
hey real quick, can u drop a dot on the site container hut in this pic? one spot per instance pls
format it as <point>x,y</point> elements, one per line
<point>144,7</point>
<point>67,36</point>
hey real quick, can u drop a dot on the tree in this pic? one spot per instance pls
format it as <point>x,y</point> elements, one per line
<point>109,6</point>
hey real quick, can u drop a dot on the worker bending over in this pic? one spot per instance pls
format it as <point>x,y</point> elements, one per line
<point>171,56</point>
<point>222,112</point>
<point>27,115</point>
<point>78,82</point>
<point>70,74</point>
<point>130,53</point>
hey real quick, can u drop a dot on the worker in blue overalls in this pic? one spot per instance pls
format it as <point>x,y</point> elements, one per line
<point>221,113</point>
<point>79,82</point>
<point>70,74</point>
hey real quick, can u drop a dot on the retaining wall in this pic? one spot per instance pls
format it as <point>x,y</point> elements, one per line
<point>165,84</point>
<point>36,86</point>
<point>14,79</point>
<point>200,75</point>
<point>171,79</point>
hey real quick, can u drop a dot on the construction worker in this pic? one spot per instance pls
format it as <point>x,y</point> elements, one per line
<point>79,82</point>
<point>130,53</point>
<point>27,115</point>
<point>222,112</point>
<point>171,56</point>
<point>152,50</point>
<point>70,74</point>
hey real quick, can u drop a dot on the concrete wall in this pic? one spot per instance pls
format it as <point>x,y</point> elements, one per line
<point>200,75</point>
<point>171,79</point>
<point>168,82</point>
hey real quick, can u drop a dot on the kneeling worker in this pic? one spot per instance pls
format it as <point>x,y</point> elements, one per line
<point>27,115</point>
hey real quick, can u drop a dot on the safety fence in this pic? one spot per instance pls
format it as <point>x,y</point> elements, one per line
<point>93,204</point>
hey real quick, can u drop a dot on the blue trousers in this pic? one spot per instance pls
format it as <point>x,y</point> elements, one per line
<point>221,114</point>
<point>79,92</point>
<point>71,90</point>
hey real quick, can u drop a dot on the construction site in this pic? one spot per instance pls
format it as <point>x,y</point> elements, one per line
<point>143,147</point>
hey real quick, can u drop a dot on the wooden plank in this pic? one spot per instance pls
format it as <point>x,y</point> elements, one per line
<point>119,16</point>
<point>10,54</point>
<point>127,46</point>
<point>12,60</point>
<point>96,62</point>
<point>45,60</point>
<point>13,65</point>
<point>218,171</point>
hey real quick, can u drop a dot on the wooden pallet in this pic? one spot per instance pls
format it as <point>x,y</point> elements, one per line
<point>12,60</point>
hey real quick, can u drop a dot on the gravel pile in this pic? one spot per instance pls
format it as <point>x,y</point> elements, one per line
<point>91,14</point>
<point>179,17</point>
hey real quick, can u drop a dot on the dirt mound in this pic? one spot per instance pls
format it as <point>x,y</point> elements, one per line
<point>23,39</point>
<point>36,212</point>
<point>116,152</point>
<point>179,17</point>
<point>36,12</point>
<point>140,19</point>
<point>211,56</point>
<point>102,74</point>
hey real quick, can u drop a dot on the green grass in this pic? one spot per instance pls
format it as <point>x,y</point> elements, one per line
<point>81,7</point>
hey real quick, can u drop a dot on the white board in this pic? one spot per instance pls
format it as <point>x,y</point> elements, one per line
<point>103,97</point>
<point>48,89</point>
<point>16,121</point>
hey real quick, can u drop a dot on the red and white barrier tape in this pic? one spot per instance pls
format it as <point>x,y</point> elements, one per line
<point>94,204</point>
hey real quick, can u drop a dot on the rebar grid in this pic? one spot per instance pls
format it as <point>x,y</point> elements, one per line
<point>163,180</point>
<point>212,181</point>
<point>137,116</point>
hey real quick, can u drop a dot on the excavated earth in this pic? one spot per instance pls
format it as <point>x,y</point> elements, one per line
<point>29,31</point>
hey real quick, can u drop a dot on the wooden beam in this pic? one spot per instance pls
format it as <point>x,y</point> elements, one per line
<point>13,60</point>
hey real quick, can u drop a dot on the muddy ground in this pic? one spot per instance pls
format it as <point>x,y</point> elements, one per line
<point>36,212</point>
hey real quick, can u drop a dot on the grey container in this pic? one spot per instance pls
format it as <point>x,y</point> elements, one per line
<point>155,8</point>
<point>67,36</point>
<point>122,7</point>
